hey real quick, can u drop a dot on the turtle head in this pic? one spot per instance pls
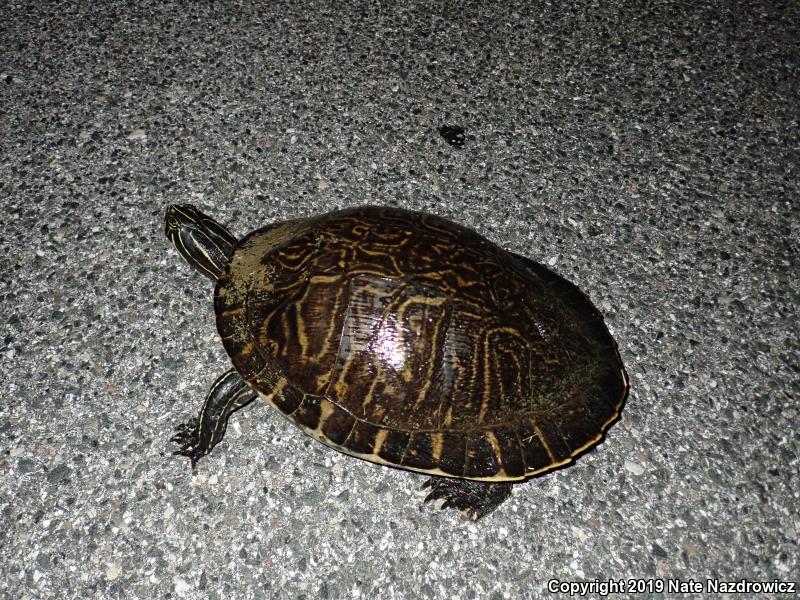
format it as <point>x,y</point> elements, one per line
<point>204,243</point>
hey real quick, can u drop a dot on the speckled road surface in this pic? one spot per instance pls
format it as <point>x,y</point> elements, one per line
<point>646,151</point>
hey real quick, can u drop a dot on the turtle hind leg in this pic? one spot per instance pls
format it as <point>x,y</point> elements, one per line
<point>228,394</point>
<point>475,499</point>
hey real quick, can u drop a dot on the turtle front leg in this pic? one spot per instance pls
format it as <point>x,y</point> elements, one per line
<point>475,499</point>
<point>228,394</point>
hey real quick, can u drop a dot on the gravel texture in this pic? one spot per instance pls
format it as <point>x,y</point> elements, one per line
<point>648,151</point>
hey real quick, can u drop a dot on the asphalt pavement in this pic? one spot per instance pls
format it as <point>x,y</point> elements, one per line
<point>647,151</point>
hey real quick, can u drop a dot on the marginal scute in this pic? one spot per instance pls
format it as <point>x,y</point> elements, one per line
<point>510,453</point>
<point>338,426</point>
<point>288,400</point>
<point>535,455</point>
<point>419,454</point>
<point>408,340</point>
<point>453,453</point>
<point>394,446</point>
<point>578,424</point>
<point>362,438</point>
<point>551,436</point>
<point>482,460</point>
<point>308,413</point>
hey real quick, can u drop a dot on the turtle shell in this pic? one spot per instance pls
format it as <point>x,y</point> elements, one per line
<point>405,339</point>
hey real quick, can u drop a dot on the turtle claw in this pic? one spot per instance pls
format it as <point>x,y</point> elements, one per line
<point>186,432</point>
<point>447,489</point>
<point>187,437</point>
<point>439,490</point>
<point>475,499</point>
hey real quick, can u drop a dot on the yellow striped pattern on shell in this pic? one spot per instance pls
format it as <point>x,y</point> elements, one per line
<point>408,340</point>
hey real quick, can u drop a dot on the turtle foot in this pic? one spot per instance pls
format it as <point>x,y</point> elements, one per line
<point>475,499</point>
<point>187,437</point>
<point>198,437</point>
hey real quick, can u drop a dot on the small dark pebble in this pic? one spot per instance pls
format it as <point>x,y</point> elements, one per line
<point>58,473</point>
<point>25,465</point>
<point>453,135</point>
<point>659,551</point>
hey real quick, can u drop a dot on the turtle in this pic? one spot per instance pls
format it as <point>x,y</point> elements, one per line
<point>407,340</point>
